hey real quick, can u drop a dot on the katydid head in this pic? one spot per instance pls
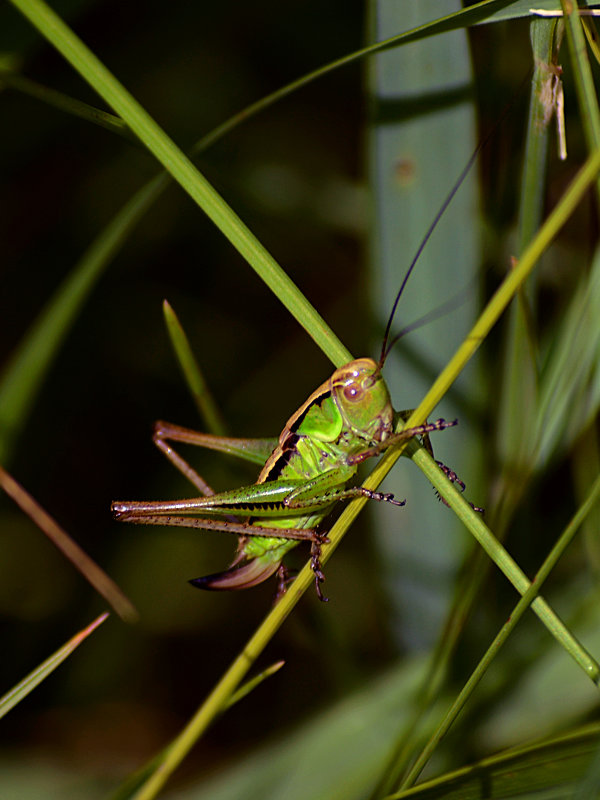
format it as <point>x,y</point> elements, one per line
<point>363,399</point>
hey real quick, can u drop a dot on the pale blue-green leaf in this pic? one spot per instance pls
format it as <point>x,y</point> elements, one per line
<point>414,161</point>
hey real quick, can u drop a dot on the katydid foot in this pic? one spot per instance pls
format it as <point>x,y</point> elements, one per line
<point>453,478</point>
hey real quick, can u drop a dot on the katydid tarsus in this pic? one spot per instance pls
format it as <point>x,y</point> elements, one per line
<point>305,472</point>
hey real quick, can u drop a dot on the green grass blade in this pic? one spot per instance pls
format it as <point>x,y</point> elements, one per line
<point>568,401</point>
<point>183,172</point>
<point>548,769</point>
<point>545,56</point>
<point>253,683</point>
<point>519,385</point>
<point>207,408</point>
<point>22,377</point>
<point>582,73</point>
<point>65,103</point>
<point>24,687</point>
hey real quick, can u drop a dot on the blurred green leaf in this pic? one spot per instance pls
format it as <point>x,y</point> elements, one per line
<point>335,755</point>
<point>569,386</point>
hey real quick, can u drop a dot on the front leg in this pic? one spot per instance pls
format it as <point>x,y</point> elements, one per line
<point>396,438</point>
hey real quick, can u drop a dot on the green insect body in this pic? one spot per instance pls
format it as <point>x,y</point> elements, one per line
<point>347,414</point>
<point>346,420</point>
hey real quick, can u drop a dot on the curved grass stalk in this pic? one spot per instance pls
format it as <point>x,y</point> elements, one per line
<point>185,173</point>
<point>26,371</point>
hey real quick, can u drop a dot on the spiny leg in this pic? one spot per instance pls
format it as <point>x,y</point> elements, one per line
<point>407,433</point>
<point>451,475</point>
<point>328,488</point>
<point>315,564</point>
<point>297,504</point>
<point>141,514</point>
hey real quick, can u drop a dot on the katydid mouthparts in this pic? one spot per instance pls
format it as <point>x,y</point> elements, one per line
<point>348,419</point>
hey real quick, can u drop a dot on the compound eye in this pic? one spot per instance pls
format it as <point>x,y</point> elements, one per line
<point>353,392</point>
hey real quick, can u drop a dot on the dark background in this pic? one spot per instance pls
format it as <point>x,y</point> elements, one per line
<point>87,442</point>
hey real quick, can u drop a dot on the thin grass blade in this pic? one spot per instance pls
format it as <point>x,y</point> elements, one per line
<point>516,614</point>
<point>96,576</point>
<point>22,689</point>
<point>22,378</point>
<point>192,374</point>
<point>550,769</point>
<point>183,171</point>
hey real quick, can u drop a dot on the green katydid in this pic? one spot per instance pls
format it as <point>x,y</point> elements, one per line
<point>305,472</point>
<point>348,419</point>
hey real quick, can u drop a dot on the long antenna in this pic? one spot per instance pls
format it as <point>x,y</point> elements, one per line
<point>385,349</point>
<point>454,302</point>
<point>387,345</point>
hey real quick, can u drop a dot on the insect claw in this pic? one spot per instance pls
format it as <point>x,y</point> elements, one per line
<point>319,578</point>
<point>384,497</point>
<point>284,577</point>
<point>391,499</point>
